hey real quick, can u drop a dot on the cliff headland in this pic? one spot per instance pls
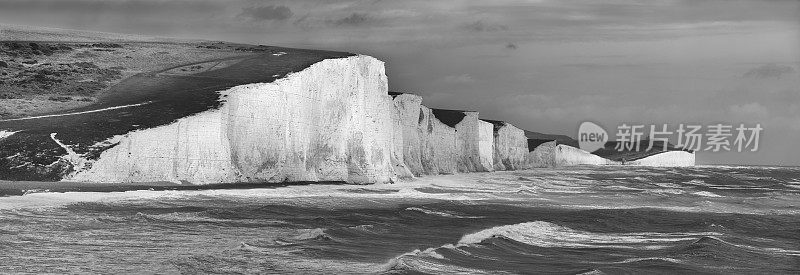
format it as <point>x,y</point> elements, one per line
<point>244,114</point>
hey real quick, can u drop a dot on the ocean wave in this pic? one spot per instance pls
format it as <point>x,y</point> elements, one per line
<point>302,236</point>
<point>540,234</point>
<point>545,234</point>
<point>446,214</point>
<point>665,185</point>
<point>667,191</point>
<point>429,261</point>
<point>707,194</point>
<point>714,241</point>
<point>34,191</point>
<point>665,259</point>
<point>282,241</point>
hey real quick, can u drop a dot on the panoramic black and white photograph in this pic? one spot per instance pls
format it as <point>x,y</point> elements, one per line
<point>399,137</point>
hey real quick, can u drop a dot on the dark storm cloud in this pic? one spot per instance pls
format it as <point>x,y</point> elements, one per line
<point>354,19</point>
<point>266,13</point>
<point>126,16</point>
<point>88,7</point>
<point>301,20</point>
<point>769,71</point>
<point>481,26</point>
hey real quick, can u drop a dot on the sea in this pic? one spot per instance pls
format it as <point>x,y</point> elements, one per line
<point>575,220</point>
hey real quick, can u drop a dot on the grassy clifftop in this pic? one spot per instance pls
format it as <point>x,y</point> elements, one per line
<point>39,77</point>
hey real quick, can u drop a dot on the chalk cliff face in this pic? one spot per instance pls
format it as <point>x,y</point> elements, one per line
<point>428,143</point>
<point>328,122</point>
<point>333,121</point>
<point>567,156</point>
<point>474,144</point>
<point>432,147</point>
<point>550,154</point>
<point>542,156</point>
<point>667,159</point>
<point>510,147</point>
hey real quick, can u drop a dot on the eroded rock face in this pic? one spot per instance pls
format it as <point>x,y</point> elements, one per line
<point>428,144</point>
<point>328,122</point>
<point>667,159</point>
<point>438,143</point>
<point>510,148</point>
<point>550,154</point>
<point>474,144</point>
<point>542,156</point>
<point>568,156</point>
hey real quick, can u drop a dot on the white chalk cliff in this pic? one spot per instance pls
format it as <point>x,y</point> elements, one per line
<point>328,122</point>
<point>667,159</point>
<point>551,154</point>
<point>474,144</point>
<point>333,121</point>
<point>510,148</point>
<point>428,144</point>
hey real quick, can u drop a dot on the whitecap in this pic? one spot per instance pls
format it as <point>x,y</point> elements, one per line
<point>633,260</point>
<point>707,194</point>
<point>5,134</point>
<point>446,214</point>
<point>697,182</point>
<point>430,262</point>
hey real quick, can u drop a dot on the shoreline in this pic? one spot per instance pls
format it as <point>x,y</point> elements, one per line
<point>21,188</point>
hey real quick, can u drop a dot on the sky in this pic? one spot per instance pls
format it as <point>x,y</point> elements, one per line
<point>542,65</point>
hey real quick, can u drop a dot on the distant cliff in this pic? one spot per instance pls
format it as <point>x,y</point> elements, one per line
<point>552,154</point>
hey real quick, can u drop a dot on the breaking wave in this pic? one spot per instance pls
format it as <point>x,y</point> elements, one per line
<point>446,214</point>
<point>533,241</point>
<point>545,234</point>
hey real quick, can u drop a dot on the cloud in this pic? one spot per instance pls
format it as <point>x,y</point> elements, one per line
<point>265,13</point>
<point>748,110</point>
<point>481,26</point>
<point>769,71</point>
<point>354,19</point>
<point>463,78</point>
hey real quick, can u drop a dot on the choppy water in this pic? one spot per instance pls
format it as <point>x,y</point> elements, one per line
<point>560,221</point>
